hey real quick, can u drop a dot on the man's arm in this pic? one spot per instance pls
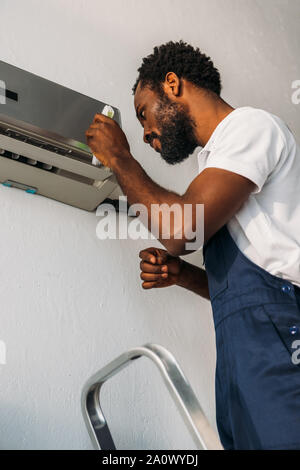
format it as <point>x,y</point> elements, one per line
<point>220,191</point>
<point>194,279</point>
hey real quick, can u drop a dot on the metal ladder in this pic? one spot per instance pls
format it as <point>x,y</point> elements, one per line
<point>203,434</point>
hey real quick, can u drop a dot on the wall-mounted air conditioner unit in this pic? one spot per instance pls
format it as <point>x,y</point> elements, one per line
<point>42,140</point>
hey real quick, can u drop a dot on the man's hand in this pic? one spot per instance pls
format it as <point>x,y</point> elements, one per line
<point>107,140</point>
<point>159,268</point>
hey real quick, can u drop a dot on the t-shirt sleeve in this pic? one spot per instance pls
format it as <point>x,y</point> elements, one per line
<point>249,144</point>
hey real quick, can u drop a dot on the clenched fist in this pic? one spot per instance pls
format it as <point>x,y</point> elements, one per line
<point>107,140</point>
<point>159,268</point>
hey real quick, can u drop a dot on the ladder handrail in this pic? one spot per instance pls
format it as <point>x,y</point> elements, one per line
<point>183,395</point>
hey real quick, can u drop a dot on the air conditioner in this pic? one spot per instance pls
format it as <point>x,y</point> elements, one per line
<point>42,140</point>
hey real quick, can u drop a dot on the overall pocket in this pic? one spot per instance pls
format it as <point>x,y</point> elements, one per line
<point>285,319</point>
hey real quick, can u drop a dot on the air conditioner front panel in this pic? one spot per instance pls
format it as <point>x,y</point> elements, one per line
<point>81,194</point>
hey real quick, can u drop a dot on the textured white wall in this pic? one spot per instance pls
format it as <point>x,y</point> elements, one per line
<point>69,302</point>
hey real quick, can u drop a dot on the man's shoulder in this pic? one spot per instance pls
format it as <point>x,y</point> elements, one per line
<point>249,121</point>
<point>254,116</point>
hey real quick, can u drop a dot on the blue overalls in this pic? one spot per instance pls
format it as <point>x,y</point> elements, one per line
<point>257,324</point>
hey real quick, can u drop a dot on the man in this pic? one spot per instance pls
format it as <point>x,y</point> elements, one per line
<point>249,169</point>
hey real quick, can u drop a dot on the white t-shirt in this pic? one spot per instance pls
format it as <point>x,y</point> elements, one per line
<point>261,147</point>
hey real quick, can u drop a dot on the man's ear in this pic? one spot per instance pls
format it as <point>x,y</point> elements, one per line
<point>172,85</point>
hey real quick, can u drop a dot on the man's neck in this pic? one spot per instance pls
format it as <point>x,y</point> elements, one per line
<point>207,111</point>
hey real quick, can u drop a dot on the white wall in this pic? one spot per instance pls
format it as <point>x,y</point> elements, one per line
<point>70,302</point>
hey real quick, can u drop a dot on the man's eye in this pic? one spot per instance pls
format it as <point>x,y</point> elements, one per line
<point>142,115</point>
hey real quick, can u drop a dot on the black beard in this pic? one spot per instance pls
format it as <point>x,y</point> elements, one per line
<point>177,136</point>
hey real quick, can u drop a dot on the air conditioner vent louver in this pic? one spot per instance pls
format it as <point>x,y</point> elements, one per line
<point>26,138</point>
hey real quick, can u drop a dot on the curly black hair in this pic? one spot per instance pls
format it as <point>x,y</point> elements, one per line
<point>182,59</point>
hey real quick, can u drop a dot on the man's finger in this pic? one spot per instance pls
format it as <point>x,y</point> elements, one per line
<point>93,129</point>
<point>90,133</point>
<point>101,118</point>
<point>149,285</point>
<point>152,268</point>
<point>161,257</point>
<point>146,255</point>
<point>153,277</point>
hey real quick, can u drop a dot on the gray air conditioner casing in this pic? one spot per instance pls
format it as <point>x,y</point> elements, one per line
<point>42,140</point>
